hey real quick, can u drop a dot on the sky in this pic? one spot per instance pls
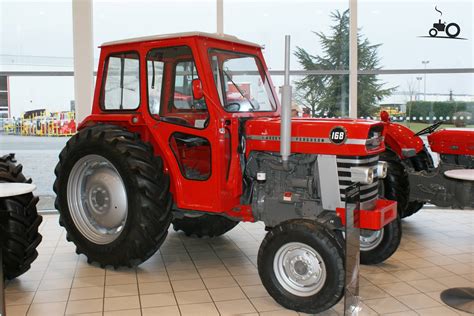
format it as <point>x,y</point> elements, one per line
<point>44,29</point>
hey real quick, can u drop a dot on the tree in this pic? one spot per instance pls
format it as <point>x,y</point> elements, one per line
<point>329,94</point>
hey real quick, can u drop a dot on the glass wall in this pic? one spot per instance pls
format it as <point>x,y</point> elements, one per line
<point>417,78</point>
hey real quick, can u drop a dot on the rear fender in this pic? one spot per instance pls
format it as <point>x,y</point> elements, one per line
<point>135,123</point>
<point>402,140</point>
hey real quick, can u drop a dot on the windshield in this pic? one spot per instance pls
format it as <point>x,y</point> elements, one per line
<point>241,83</point>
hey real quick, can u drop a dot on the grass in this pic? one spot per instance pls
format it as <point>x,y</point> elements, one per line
<point>416,127</point>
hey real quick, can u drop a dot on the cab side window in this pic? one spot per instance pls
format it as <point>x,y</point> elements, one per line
<point>155,81</point>
<point>171,71</point>
<point>185,73</point>
<point>121,87</point>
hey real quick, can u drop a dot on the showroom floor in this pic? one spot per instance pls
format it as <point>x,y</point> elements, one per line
<point>219,276</point>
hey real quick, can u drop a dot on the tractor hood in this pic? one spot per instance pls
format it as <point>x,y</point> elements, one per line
<point>343,137</point>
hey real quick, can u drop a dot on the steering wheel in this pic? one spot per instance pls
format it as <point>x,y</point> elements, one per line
<point>232,107</point>
<point>430,129</point>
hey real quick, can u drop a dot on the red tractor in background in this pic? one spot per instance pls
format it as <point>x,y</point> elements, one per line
<point>412,165</point>
<point>187,129</point>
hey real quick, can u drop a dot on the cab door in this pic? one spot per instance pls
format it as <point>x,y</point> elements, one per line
<point>184,129</point>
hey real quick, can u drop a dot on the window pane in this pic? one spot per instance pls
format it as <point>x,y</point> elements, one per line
<point>122,85</point>
<point>173,98</point>
<point>183,93</point>
<point>406,43</point>
<point>241,82</point>
<point>155,82</point>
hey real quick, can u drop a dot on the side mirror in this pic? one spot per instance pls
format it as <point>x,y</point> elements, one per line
<point>198,93</point>
<point>384,116</point>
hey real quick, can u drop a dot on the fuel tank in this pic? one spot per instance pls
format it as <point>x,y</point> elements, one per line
<point>343,137</point>
<point>453,141</point>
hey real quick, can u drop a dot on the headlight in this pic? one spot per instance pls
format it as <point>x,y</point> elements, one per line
<point>364,175</point>
<point>375,138</point>
<point>382,169</point>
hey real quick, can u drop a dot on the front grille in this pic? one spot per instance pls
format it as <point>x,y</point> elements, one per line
<point>368,192</point>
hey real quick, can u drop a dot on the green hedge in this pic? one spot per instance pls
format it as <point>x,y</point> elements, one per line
<point>442,108</point>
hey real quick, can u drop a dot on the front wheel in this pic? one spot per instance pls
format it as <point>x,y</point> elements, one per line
<point>300,263</point>
<point>433,32</point>
<point>376,246</point>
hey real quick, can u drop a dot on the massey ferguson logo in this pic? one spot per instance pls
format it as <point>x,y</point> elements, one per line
<point>338,135</point>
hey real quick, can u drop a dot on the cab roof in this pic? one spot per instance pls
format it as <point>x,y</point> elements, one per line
<point>221,37</point>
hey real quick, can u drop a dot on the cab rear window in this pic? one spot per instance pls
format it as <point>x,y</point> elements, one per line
<point>121,82</point>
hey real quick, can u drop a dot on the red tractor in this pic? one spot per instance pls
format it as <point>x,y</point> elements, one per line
<point>411,166</point>
<point>168,142</point>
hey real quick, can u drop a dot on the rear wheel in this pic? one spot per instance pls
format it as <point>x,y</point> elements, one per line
<point>301,265</point>
<point>395,186</point>
<point>19,223</point>
<point>422,161</point>
<point>204,225</point>
<point>112,196</point>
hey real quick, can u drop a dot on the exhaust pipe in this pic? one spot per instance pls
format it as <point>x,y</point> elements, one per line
<point>285,128</point>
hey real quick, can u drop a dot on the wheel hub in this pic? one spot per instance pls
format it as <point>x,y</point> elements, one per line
<point>299,269</point>
<point>97,199</point>
<point>370,239</point>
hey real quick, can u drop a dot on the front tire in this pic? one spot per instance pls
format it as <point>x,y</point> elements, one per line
<point>19,224</point>
<point>300,263</point>
<point>376,246</point>
<point>433,32</point>
<point>112,196</point>
<point>204,225</point>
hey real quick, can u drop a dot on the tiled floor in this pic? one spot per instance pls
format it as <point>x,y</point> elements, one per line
<point>219,276</point>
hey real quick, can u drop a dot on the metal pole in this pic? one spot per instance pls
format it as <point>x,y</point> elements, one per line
<point>353,59</point>
<point>431,114</point>
<point>285,128</point>
<point>83,57</point>
<point>220,16</point>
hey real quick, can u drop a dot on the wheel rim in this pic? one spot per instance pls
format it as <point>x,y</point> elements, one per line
<point>299,269</point>
<point>97,199</point>
<point>370,239</point>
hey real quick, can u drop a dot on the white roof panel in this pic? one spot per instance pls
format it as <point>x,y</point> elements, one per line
<point>224,37</point>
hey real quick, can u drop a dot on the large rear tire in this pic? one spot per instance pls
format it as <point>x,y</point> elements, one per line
<point>301,264</point>
<point>19,223</point>
<point>396,186</point>
<point>422,161</point>
<point>113,196</point>
<point>204,225</point>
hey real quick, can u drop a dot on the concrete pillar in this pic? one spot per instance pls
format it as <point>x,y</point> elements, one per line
<point>353,61</point>
<point>82,29</point>
<point>220,16</point>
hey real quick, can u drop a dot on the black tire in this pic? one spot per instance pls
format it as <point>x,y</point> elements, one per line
<point>204,225</point>
<point>147,193</point>
<point>392,235</point>
<point>422,161</point>
<point>433,32</point>
<point>19,222</point>
<point>325,243</point>
<point>455,34</point>
<point>395,185</point>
